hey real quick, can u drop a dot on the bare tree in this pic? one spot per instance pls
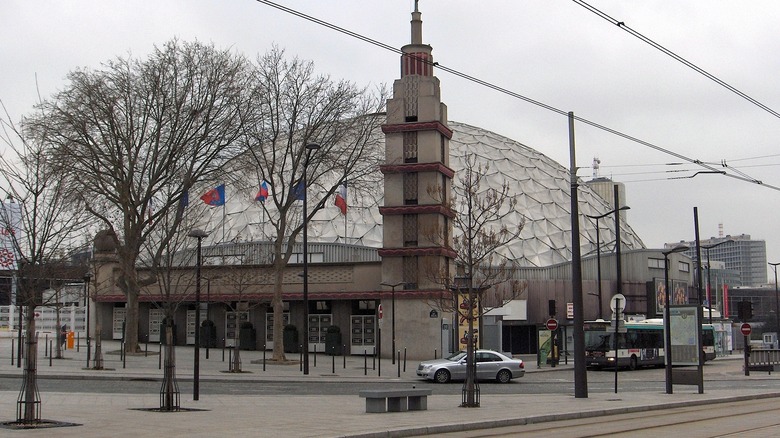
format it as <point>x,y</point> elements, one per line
<point>132,138</point>
<point>292,108</point>
<point>484,278</point>
<point>41,224</point>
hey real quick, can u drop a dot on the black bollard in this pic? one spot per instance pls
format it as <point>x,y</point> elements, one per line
<point>46,346</point>
<point>263,357</point>
<point>333,363</point>
<point>435,352</point>
<point>146,349</point>
<point>78,341</point>
<point>344,355</point>
<point>12,351</point>
<point>300,358</point>
<point>50,354</point>
<point>365,363</point>
<point>398,362</point>
<point>159,357</point>
<point>373,361</point>
<point>315,355</point>
<point>404,359</point>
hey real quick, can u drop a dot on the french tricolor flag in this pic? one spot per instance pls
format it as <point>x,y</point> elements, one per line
<point>262,195</point>
<point>341,198</point>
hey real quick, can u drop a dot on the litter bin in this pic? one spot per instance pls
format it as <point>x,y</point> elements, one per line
<point>71,340</point>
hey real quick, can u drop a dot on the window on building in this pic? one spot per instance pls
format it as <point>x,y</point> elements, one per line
<point>410,147</point>
<point>410,230</point>
<point>655,263</point>
<point>410,272</point>
<point>684,267</point>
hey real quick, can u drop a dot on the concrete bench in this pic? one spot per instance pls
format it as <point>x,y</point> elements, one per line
<point>396,400</point>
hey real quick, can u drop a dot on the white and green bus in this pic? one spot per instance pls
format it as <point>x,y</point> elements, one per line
<point>641,345</point>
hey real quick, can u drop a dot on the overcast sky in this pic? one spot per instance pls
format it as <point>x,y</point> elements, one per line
<point>553,51</point>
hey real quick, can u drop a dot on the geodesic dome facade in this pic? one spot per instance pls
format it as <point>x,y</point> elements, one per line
<point>541,187</point>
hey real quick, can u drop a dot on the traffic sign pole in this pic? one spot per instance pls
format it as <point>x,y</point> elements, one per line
<point>746,330</point>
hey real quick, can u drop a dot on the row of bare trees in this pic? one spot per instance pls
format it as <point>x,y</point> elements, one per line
<point>121,146</point>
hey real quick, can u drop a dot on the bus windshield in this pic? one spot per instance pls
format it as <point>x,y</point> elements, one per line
<point>597,340</point>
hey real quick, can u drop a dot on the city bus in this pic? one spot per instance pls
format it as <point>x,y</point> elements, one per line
<point>641,345</point>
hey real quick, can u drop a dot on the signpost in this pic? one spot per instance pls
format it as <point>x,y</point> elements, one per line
<point>552,326</point>
<point>746,329</point>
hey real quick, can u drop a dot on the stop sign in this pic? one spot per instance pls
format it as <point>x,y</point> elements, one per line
<point>745,329</point>
<point>552,324</point>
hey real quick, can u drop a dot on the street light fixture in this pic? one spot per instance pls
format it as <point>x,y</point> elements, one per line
<point>87,277</point>
<point>667,331</point>
<point>777,301</point>
<point>392,318</point>
<point>598,252</point>
<point>198,234</point>
<point>310,148</point>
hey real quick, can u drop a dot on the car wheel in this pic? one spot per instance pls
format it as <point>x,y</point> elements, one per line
<point>504,376</point>
<point>441,376</point>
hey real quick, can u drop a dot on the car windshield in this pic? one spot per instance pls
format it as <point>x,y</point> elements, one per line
<point>457,356</point>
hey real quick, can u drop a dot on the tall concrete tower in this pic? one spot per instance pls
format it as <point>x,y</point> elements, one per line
<point>417,226</point>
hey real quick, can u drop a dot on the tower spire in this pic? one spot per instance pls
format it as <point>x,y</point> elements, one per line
<point>416,24</point>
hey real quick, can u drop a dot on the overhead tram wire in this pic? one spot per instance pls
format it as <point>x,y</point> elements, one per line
<point>502,90</point>
<point>676,57</point>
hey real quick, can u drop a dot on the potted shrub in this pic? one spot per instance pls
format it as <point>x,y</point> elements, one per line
<point>333,340</point>
<point>246,336</point>
<point>290,339</point>
<point>208,334</point>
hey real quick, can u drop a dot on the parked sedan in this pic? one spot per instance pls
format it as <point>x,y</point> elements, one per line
<point>490,365</point>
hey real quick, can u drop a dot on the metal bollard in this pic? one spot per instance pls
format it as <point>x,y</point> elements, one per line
<point>78,341</point>
<point>344,355</point>
<point>146,349</point>
<point>315,355</point>
<point>365,363</point>
<point>223,349</point>
<point>50,354</point>
<point>46,346</point>
<point>12,351</point>
<point>404,359</point>
<point>300,358</point>
<point>263,357</point>
<point>159,357</point>
<point>398,362</point>
<point>333,363</point>
<point>435,352</point>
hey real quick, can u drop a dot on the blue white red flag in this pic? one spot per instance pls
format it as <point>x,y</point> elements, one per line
<point>262,195</point>
<point>341,198</point>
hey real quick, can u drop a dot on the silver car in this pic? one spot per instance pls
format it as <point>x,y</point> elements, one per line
<point>490,365</point>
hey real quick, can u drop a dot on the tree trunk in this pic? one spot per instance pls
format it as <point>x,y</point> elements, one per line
<point>169,393</point>
<point>470,385</point>
<point>235,366</point>
<point>131,323</point>
<point>29,404</point>
<point>276,303</point>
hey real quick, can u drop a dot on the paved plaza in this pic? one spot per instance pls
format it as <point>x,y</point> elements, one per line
<point>121,415</point>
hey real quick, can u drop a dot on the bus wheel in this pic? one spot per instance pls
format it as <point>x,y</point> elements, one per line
<point>632,363</point>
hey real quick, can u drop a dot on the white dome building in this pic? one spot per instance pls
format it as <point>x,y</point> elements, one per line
<point>540,184</point>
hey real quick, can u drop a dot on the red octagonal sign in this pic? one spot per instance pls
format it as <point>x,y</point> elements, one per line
<point>552,324</point>
<point>745,329</point>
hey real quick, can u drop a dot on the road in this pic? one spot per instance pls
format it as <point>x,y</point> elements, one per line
<point>748,419</point>
<point>718,375</point>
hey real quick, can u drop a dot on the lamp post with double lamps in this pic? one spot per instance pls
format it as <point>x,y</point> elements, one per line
<point>709,268</point>
<point>777,299</point>
<point>310,148</point>
<point>198,234</point>
<point>87,277</point>
<point>667,331</point>
<point>598,252</point>
<point>392,318</point>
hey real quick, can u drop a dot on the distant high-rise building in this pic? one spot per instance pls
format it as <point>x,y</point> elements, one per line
<point>738,253</point>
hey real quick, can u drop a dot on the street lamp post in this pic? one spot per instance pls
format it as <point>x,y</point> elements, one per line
<point>392,318</point>
<point>777,300</point>
<point>310,148</point>
<point>198,234</point>
<point>598,252</point>
<point>87,277</point>
<point>709,268</point>
<point>667,330</point>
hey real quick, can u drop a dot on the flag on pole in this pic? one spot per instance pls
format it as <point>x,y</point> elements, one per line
<point>262,195</point>
<point>298,190</point>
<point>341,198</point>
<point>215,197</point>
<point>185,199</point>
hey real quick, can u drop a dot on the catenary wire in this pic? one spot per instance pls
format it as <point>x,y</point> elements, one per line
<point>676,57</point>
<point>710,168</point>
